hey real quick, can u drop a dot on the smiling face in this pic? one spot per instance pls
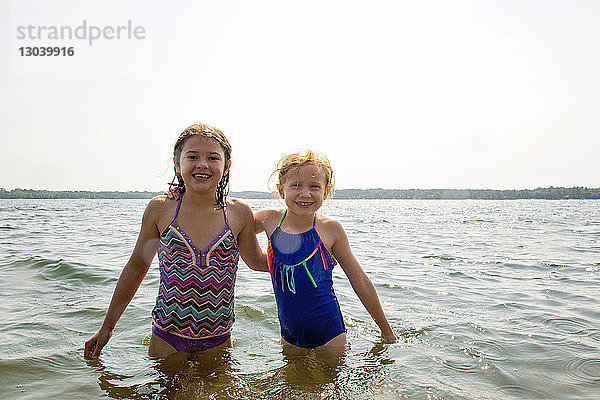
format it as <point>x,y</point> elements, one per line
<point>303,189</point>
<point>201,163</point>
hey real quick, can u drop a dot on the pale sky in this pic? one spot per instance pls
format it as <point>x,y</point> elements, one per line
<point>399,94</point>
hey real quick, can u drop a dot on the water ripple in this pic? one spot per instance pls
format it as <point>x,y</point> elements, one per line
<point>485,349</point>
<point>464,365</point>
<point>569,326</point>
<point>584,369</point>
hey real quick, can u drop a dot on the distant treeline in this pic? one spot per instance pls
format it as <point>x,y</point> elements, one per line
<point>68,194</point>
<point>82,194</point>
<point>550,193</point>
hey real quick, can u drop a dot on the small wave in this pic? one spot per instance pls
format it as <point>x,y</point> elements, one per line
<point>509,304</point>
<point>392,285</point>
<point>522,267</point>
<point>554,275</point>
<point>593,233</point>
<point>462,275</point>
<point>553,265</point>
<point>378,221</point>
<point>443,258</point>
<point>373,221</point>
<point>413,333</point>
<point>252,313</point>
<point>59,269</point>
<point>520,391</point>
<point>84,312</point>
<point>595,335</point>
<point>46,362</point>
<point>469,365</point>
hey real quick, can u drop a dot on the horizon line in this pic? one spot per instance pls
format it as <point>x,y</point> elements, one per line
<point>273,191</point>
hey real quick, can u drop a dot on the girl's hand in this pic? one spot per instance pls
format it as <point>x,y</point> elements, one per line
<point>96,343</point>
<point>173,193</point>
<point>389,338</point>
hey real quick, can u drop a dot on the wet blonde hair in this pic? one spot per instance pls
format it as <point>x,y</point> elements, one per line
<point>308,157</point>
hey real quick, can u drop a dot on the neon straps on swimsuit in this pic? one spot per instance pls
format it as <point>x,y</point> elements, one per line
<point>288,270</point>
<point>281,220</point>
<point>323,255</point>
<point>285,213</point>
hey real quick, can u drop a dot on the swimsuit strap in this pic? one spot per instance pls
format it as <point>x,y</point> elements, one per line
<point>281,220</point>
<point>285,213</point>
<point>177,209</point>
<point>225,216</point>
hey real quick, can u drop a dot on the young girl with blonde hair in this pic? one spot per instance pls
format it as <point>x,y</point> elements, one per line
<point>303,247</point>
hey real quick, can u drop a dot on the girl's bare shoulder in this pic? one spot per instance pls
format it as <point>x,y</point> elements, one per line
<point>162,203</point>
<point>239,214</point>
<point>160,208</point>
<point>237,208</point>
<point>329,224</point>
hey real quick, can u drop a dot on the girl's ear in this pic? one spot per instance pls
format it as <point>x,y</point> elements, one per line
<point>228,166</point>
<point>176,166</point>
<point>280,190</point>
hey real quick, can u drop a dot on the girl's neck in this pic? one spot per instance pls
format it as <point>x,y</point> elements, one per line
<point>199,200</point>
<point>299,222</point>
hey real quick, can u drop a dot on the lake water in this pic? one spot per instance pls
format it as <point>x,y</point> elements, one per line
<point>489,299</point>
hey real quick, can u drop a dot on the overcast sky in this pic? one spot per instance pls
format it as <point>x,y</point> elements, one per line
<point>399,94</point>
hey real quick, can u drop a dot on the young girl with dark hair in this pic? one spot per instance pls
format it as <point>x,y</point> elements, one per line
<point>199,238</point>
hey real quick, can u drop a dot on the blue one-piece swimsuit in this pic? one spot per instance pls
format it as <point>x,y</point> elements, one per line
<point>301,273</point>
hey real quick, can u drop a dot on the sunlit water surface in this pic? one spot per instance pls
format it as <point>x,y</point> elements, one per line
<point>489,299</point>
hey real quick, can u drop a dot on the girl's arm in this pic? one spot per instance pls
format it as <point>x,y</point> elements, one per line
<point>261,218</point>
<point>359,280</point>
<point>251,253</point>
<point>131,277</point>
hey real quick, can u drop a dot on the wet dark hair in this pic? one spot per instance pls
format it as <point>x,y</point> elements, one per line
<point>218,136</point>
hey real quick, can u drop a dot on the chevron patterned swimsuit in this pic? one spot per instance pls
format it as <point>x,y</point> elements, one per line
<point>194,306</point>
<point>301,273</point>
